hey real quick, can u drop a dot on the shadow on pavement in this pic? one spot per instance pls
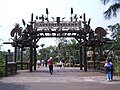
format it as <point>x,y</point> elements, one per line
<point>116,80</point>
<point>11,86</point>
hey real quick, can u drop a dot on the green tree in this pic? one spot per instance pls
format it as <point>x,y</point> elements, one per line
<point>115,29</point>
<point>2,63</point>
<point>42,45</point>
<point>113,9</point>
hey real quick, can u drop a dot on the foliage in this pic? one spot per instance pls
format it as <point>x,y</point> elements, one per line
<point>116,64</point>
<point>2,63</point>
<point>26,54</point>
<point>65,49</point>
<point>115,46</point>
<point>108,45</point>
<point>45,53</point>
<point>113,9</point>
<point>2,69</point>
<point>115,29</point>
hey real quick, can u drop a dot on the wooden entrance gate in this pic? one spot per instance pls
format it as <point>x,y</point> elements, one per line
<point>41,27</point>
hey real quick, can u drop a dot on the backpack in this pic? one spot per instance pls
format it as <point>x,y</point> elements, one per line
<point>109,66</point>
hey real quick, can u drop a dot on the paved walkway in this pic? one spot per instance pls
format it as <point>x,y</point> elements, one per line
<point>62,79</point>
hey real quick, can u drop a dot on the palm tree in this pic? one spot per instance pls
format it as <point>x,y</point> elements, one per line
<point>113,9</point>
<point>42,45</point>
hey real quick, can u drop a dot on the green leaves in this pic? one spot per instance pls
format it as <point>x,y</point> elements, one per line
<point>112,10</point>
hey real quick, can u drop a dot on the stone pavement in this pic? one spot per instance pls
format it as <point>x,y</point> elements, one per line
<point>62,79</point>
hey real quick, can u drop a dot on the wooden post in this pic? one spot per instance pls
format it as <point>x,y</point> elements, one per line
<point>84,47</point>
<point>31,46</point>
<point>81,58</point>
<point>15,54</point>
<point>21,59</point>
<point>93,56</point>
<point>100,56</point>
<point>31,58</point>
<point>15,48</point>
<point>35,59</point>
<point>85,58</point>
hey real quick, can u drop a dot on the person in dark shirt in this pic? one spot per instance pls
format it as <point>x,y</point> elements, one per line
<point>63,63</point>
<point>110,58</point>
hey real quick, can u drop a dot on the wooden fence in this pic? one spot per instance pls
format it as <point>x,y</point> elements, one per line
<point>10,67</point>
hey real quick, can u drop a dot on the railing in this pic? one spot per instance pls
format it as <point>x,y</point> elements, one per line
<point>116,67</point>
<point>10,67</point>
<point>23,65</point>
<point>91,65</point>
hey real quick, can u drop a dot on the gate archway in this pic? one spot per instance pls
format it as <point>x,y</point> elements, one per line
<point>40,27</point>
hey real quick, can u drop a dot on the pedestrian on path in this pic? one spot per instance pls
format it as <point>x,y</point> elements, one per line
<point>38,63</point>
<point>112,68</point>
<point>60,64</point>
<point>63,63</point>
<point>108,66</point>
<point>43,62</point>
<point>50,62</point>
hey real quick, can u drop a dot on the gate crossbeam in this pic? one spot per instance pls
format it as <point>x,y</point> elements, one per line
<point>58,33</point>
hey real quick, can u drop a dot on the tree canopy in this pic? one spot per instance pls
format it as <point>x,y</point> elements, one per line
<point>113,9</point>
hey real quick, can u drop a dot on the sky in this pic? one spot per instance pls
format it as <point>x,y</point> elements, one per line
<point>13,11</point>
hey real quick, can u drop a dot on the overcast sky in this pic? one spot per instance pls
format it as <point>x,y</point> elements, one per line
<point>13,11</point>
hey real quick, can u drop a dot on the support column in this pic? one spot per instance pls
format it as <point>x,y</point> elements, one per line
<point>31,46</point>
<point>81,58</point>
<point>15,53</point>
<point>93,56</point>
<point>21,59</point>
<point>85,40</point>
<point>35,58</point>
<point>85,58</point>
<point>15,59</point>
<point>100,55</point>
<point>31,58</point>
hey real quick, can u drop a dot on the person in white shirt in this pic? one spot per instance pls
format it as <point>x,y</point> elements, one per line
<point>38,63</point>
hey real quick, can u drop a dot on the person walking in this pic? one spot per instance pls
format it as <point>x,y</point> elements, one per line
<point>38,63</point>
<point>108,66</point>
<point>60,64</point>
<point>43,62</point>
<point>112,68</point>
<point>63,63</point>
<point>50,62</point>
